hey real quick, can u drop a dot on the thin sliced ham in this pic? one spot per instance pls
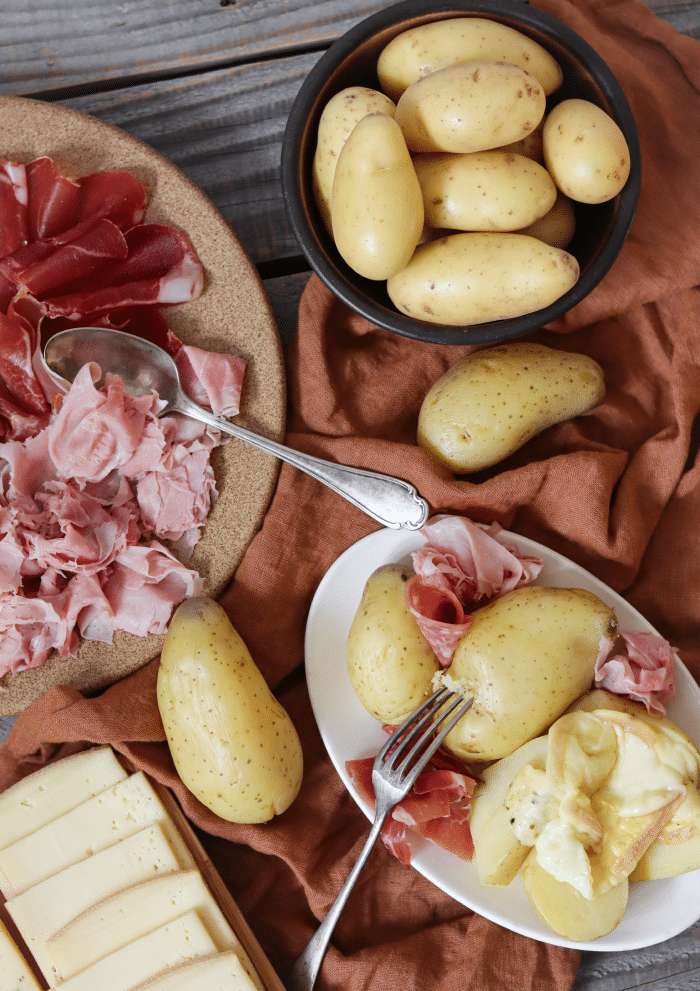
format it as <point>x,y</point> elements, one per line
<point>642,668</point>
<point>52,200</point>
<point>160,269</point>
<point>461,567</point>
<point>13,207</point>
<point>437,808</point>
<point>210,381</point>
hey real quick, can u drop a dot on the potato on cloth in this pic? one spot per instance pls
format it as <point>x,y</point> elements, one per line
<point>617,491</point>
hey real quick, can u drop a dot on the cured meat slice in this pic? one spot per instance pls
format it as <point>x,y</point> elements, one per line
<point>437,808</point>
<point>643,668</point>
<point>52,200</point>
<point>461,566</point>
<point>160,269</point>
<point>13,207</point>
<point>23,406</point>
<point>212,380</point>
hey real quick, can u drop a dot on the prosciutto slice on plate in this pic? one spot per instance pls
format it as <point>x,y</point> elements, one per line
<point>642,668</point>
<point>461,566</point>
<point>437,808</point>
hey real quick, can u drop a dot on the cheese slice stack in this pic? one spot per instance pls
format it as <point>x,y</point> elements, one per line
<point>15,972</point>
<point>104,890</point>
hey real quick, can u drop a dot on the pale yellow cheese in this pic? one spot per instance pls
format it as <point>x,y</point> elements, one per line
<point>45,908</point>
<point>54,790</point>
<point>168,946</point>
<point>131,913</point>
<point>93,826</point>
<point>15,972</point>
<point>222,972</point>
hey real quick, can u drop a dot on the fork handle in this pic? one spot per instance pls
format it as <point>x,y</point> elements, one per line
<point>304,972</point>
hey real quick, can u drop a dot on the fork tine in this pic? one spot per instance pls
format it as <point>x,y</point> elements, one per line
<point>426,754</point>
<point>430,705</point>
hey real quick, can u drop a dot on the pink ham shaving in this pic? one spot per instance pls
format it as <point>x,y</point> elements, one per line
<point>461,566</point>
<point>642,668</point>
<point>437,808</point>
<point>88,494</point>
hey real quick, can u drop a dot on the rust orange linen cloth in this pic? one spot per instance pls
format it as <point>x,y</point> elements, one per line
<point>616,490</point>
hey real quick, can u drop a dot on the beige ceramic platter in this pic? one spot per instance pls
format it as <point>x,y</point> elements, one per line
<point>233,314</point>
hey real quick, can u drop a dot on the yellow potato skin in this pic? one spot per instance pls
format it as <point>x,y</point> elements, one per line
<point>470,278</point>
<point>376,203</point>
<point>483,191</point>
<point>472,106</point>
<point>525,658</point>
<point>233,744</point>
<point>491,402</point>
<point>585,152</point>
<point>557,227</point>
<point>339,117</point>
<point>424,49</point>
<point>390,663</point>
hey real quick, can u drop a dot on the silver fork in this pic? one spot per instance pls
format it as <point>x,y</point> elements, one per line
<point>395,770</point>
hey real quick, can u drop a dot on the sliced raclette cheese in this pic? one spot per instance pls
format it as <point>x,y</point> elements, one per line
<point>96,824</point>
<point>222,972</point>
<point>131,913</point>
<point>54,790</point>
<point>43,909</point>
<point>15,972</point>
<point>168,946</point>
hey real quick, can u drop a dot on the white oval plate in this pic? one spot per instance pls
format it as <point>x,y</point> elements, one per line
<point>657,910</point>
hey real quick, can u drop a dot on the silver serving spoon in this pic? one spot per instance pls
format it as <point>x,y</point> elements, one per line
<point>144,368</point>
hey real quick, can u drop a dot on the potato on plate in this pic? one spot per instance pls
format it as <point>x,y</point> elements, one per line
<point>525,657</point>
<point>390,663</point>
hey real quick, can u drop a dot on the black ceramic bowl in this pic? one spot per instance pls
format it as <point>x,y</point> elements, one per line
<point>351,61</point>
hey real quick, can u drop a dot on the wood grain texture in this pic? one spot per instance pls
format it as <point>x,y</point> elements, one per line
<point>224,129</point>
<point>77,42</point>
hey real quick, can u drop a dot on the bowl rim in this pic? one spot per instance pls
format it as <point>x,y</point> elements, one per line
<point>293,180</point>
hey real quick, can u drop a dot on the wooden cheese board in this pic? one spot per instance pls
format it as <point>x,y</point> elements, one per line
<point>268,978</point>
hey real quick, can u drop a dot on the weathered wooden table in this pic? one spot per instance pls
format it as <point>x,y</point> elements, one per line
<point>209,84</point>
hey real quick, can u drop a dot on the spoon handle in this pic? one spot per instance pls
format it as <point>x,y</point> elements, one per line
<point>390,501</point>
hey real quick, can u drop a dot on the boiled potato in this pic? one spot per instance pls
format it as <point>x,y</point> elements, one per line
<point>585,151</point>
<point>557,227</point>
<point>232,743</point>
<point>339,117</point>
<point>478,277</point>
<point>498,853</point>
<point>530,146</point>
<point>472,106</point>
<point>491,402</point>
<point>565,911</point>
<point>483,190</point>
<point>376,202</point>
<point>676,850</point>
<point>390,663</point>
<point>525,657</point>
<point>424,49</point>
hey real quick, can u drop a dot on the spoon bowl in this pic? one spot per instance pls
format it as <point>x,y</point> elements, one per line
<point>145,368</point>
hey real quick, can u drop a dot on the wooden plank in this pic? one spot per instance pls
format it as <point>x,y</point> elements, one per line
<point>670,966</point>
<point>47,44</point>
<point>224,130</point>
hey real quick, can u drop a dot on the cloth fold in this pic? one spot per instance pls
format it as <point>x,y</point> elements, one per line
<point>616,490</point>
